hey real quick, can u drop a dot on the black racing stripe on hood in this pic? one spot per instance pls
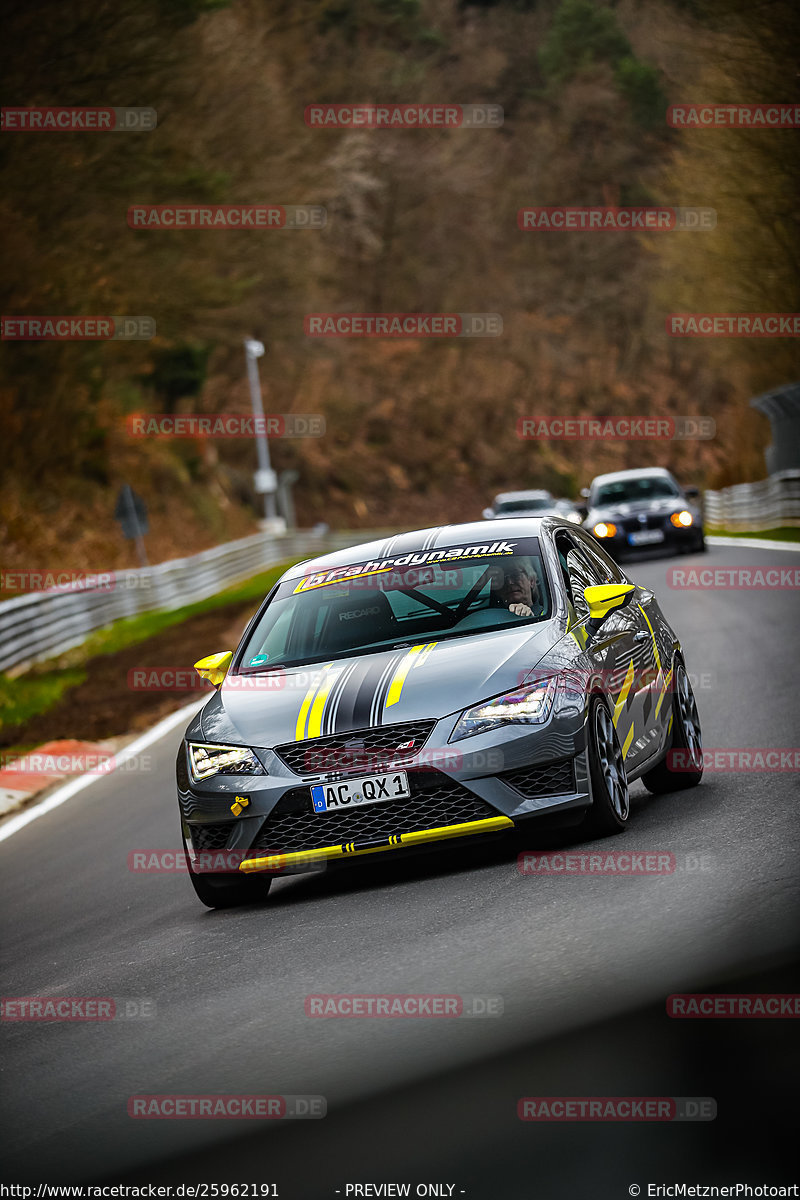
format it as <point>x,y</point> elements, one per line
<point>355,703</point>
<point>379,700</point>
<point>328,717</point>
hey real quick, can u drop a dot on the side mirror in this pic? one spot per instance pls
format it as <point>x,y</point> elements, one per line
<point>691,493</point>
<point>488,514</point>
<point>585,493</point>
<point>604,597</point>
<point>214,667</point>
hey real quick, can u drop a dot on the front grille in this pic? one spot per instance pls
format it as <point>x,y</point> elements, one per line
<point>323,755</point>
<point>435,800</point>
<point>211,837</point>
<point>544,779</point>
<point>634,525</point>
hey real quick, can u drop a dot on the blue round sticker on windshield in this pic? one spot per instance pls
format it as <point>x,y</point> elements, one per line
<point>258,660</point>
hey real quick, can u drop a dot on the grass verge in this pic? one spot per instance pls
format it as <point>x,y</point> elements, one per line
<point>787,533</point>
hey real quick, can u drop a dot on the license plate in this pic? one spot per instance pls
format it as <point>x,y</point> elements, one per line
<point>646,537</point>
<point>353,793</point>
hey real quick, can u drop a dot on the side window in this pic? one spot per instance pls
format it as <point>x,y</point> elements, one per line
<point>563,547</point>
<point>609,570</point>
<point>582,571</point>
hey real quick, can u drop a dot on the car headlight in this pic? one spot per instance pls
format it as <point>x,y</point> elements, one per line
<point>206,761</point>
<point>604,529</point>
<point>526,706</point>
<point>682,520</point>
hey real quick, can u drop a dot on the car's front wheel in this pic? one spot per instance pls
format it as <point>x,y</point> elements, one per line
<point>227,889</point>
<point>611,802</point>
<point>682,767</point>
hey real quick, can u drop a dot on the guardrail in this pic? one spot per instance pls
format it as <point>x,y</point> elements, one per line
<point>40,625</point>
<point>747,507</point>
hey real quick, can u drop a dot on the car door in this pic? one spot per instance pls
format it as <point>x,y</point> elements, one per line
<point>648,656</point>
<point>662,652</point>
<point>623,648</point>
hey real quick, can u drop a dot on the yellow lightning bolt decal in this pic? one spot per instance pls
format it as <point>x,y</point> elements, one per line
<point>623,696</point>
<point>627,743</point>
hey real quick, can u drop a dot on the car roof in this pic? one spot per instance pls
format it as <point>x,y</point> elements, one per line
<point>637,473</point>
<point>535,494</point>
<point>437,537</point>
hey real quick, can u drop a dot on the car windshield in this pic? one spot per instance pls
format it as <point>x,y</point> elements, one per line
<point>514,506</point>
<point>628,491</point>
<point>418,597</point>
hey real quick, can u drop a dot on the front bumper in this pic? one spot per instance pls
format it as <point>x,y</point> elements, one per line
<point>304,860</point>
<point>504,777</point>
<point>674,539</point>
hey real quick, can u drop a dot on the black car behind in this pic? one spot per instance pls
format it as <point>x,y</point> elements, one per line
<point>643,509</point>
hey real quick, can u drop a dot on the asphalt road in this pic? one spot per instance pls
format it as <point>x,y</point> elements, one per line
<point>228,987</point>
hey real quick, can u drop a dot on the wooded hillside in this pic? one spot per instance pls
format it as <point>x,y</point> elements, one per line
<point>419,431</point>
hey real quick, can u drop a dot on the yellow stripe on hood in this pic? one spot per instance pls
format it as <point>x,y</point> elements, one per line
<point>300,727</point>
<point>415,658</point>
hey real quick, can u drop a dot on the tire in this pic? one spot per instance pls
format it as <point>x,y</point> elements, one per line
<point>228,889</point>
<point>686,739</point>
<point>611,804</point>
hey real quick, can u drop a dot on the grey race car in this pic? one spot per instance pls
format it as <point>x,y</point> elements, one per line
<point>444,683</point>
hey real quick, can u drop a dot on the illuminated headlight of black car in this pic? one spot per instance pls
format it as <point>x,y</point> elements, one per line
<point>525,706</point>
<point>206,760</point>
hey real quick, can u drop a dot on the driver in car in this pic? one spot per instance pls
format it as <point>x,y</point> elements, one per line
<point>516,587</point>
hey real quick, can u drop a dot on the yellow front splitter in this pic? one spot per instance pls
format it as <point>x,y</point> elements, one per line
<point>299,858</point>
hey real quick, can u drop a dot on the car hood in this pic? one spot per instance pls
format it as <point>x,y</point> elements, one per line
<point>382,688</point>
